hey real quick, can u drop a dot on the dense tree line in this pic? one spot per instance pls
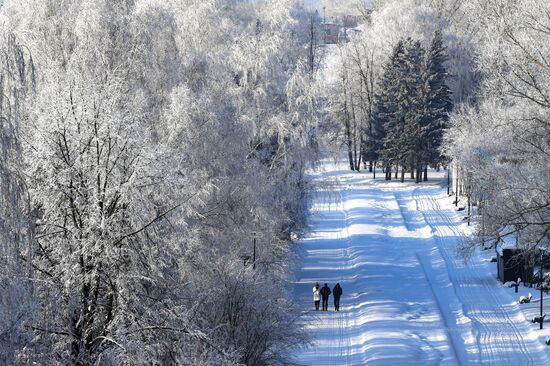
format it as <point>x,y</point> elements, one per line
<point>499,140</point>
<point>142,144</point>
<point>496,137</point>
<point>393,108</point>
<point>411,109</point>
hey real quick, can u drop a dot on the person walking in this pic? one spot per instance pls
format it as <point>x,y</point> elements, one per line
<point>316,296</point>
<point>337,292</point>
<point>325,293</point>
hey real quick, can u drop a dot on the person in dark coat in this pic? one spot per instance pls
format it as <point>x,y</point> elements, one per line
<point>325,293</point>
<point>337,292</point>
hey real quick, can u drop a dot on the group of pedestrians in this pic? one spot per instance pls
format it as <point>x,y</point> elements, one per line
<point>323,293</point>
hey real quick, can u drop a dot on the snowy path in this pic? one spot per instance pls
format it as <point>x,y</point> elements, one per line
<point>407,299</point>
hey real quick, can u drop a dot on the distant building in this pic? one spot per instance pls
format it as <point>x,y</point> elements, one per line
<point>329,33</point>
<point>350,21</point>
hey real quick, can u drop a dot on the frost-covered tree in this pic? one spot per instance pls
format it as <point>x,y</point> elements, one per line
<point>161,134</point>
<point>499,143</point>
<point>494,70</point>
<point>346,109</point>
<point>366,55</point>
<point>17,80</point>
<point>350,86</point>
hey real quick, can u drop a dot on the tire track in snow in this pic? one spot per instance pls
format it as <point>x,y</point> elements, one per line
<point>488,335</point>
<point>389,315</point>
<point>498,334</point>
<point>328,250</point>
<point>344,315</point>
<point>485,337</point>
<point>414,225</point>
<point>449,320</point>
<point>413,221</point>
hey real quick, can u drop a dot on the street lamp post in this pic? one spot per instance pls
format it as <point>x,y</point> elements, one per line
<point>254,251</point>
<point>482,209</point>
<point>469,204</point>
<point>456,187</point>
<point>541,293</point>
<point>448,180</point>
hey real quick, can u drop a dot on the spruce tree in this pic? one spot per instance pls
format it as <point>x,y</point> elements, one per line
<point>397,104</point>
<point>436,102</point>
<point>411,104</point>
<point>411,108</point>
<point>385,109</point>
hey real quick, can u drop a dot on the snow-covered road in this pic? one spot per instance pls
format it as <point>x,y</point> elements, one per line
<point>408,299</point>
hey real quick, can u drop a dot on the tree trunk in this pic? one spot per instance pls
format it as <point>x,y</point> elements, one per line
<point>370,166</point>
<point>312,45</point>
<point>358,158</point>
<point>350,155</point>
<point>426,173</point>
<point>402,174</point>
<point>418,174</point>
<point>374,171</point>
<point>355,165</point>
<point>347,124</point>
<point>412,173</point>
<point>396,171</point>
<point>469,208</point>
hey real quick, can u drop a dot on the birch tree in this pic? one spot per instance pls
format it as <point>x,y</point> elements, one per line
<point>160,135</point>
<point>17,80</point>
<point>499,141</point>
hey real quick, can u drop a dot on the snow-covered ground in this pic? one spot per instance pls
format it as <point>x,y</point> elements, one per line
<point>408,299</point>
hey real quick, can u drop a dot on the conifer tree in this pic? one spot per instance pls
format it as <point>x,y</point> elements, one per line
<point>411,109</point>
<point>411,104</point>
<point>436,100</point>
<point>385,109</point>
<point>397,105</point>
